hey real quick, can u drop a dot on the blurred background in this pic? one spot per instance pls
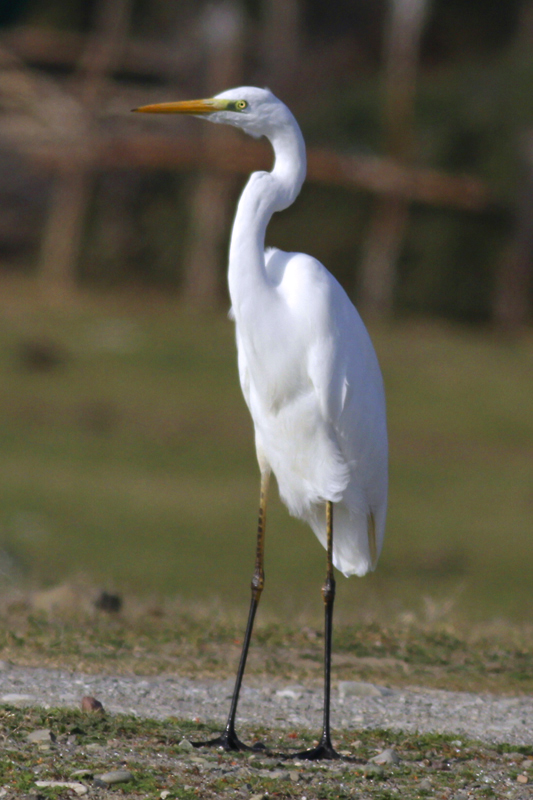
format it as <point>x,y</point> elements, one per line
<point>126,452</point>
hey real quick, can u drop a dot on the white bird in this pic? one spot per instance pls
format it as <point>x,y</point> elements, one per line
<point>308,372</point>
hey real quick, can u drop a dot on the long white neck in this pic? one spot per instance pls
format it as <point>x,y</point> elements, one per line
<point>264,194</point>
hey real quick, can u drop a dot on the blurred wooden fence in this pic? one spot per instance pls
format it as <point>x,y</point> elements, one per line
<point>83,145</point>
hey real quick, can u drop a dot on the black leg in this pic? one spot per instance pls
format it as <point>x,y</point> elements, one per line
<point>325,749</point>
<point>229,740</point>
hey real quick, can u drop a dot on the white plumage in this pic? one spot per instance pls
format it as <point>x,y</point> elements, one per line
<point>309,375</point>
<point>307,367</point>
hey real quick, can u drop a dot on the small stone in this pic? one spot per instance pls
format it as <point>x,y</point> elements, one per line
<point>164,794</point>
<point>294,776</point>
<point>425,785</point>
<point>258,796</point>
<point>186,746</point>
<point>19,700</point>
<point>112,603</point>
<point>115,776</point>
<point>291,692</point>
<point>386,757</point>
<point>79,788</point>
<point>275,774</point>
<point>527,764</point>
<point>82,773</point>
<point>94,747</point>
<point>89,703</point>
<point>41,736</point>
<point>522,778</point>
<point>358,689</point>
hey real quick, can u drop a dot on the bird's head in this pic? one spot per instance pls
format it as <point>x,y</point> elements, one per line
<point>257,111</point>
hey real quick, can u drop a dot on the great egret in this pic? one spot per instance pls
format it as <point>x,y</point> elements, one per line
<point>308,372</point>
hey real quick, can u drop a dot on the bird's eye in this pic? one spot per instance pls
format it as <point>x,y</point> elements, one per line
<point>238,105</point>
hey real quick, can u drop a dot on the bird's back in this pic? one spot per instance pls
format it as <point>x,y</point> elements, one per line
<point>312,382</point>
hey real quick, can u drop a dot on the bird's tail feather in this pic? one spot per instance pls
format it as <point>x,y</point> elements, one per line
<point>355,538</point>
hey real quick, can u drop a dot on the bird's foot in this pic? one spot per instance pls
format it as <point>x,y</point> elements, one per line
<point>230,742</point>
<point>323,751</point>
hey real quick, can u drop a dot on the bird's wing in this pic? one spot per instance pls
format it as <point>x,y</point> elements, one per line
<point>351,393</point>
<point>338,349</point>
<point>344,371</point>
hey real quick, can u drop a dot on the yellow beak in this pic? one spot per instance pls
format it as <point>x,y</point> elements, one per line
<point>185,107</point>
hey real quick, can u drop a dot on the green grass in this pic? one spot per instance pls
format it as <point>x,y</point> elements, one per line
<point>132,461</point>
<point>149,639</point>
<point>151,751</point>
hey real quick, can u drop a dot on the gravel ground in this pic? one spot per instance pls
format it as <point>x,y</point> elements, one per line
<point>489,718</point>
